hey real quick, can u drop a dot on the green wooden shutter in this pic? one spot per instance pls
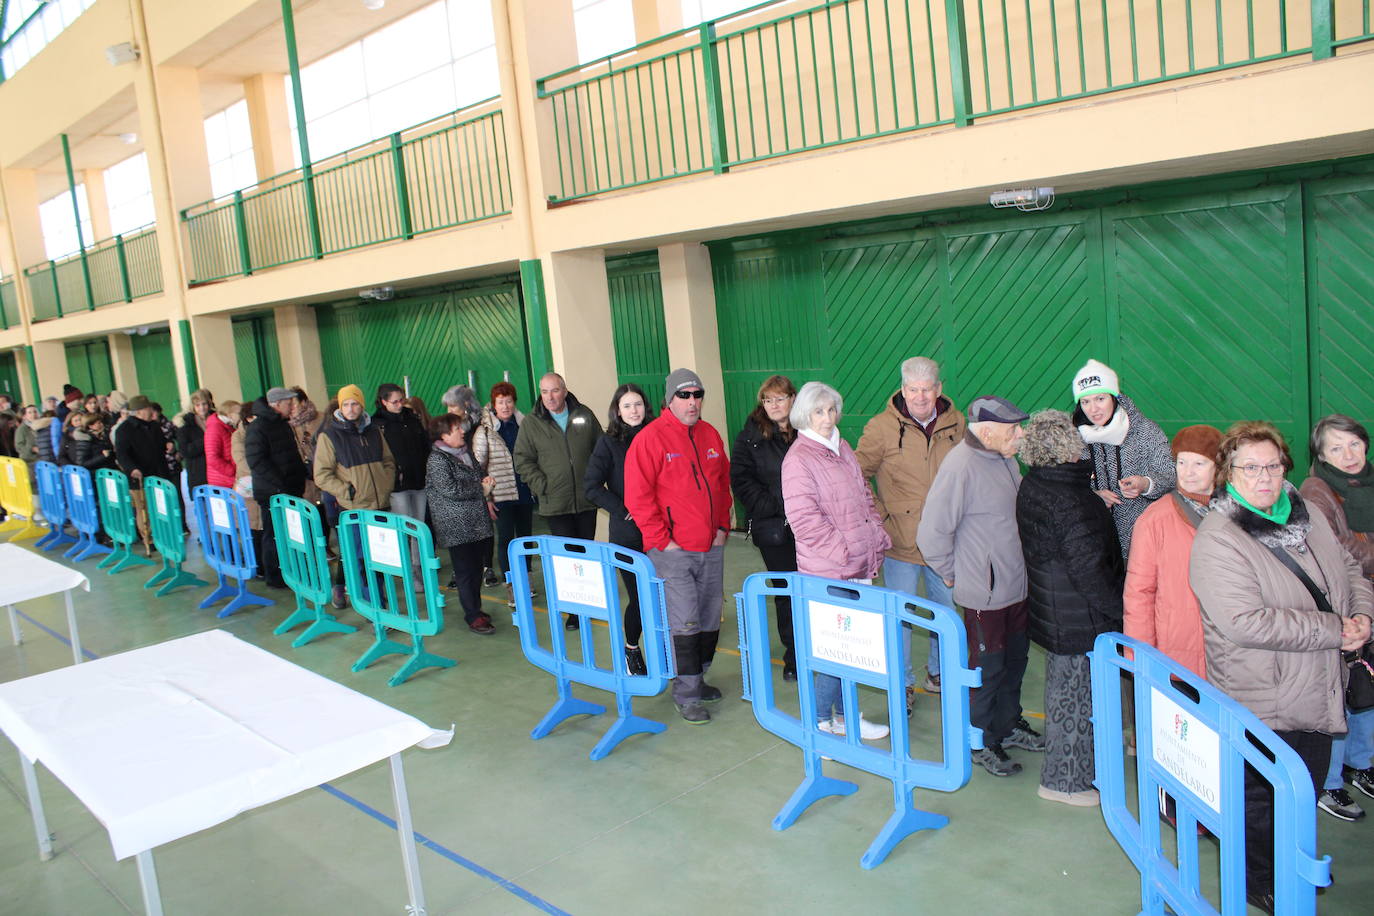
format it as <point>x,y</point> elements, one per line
<point>491,339</point>
<point>641,342</point>
<point>9,377</point>
<point>257,355</point>
<point>89,367</point>
<point>157,380</point>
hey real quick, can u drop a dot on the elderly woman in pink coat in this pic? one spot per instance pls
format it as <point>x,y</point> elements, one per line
<point>835,521</point>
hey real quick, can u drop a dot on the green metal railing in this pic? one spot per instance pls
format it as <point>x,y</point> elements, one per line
<point>122,268</point>
<point>757,85</point>
<point>441,174</point>
<point>9,304</point>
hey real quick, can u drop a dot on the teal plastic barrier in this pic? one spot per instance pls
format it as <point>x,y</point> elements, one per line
<point>304,567</point>
<point>169,536</point>
<point>117,516</point>
<point>377,548</point>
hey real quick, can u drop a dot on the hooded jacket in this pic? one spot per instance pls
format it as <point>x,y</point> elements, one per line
<point>831,511</point>
<point>1160,606</point>
<point>605,484</point>
<point>353,463</point>
<point>968,527</point>
<point>409,443</point>
<point>677,484</point>
<point>219,452</point>
<point>1074,570</point>
<point>88,451</point>
<point>903,461</point>
<point>552,463</point>
<point>42,430</point>
<point>269,447</point>
<point>1268,646</point>
<point>26,441</point>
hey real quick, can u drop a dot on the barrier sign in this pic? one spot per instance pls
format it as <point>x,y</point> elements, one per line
<point>854,633</point>
<point>581,578</point>
<point>1194,743</point>
<point>227,542</point>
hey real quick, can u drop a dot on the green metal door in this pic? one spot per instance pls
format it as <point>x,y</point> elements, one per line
<point>491,340</point>
<point>89,367</point>
<point>641,342</point>
<point>1340,288</point>
<point>157,380</point>
<point>9,376</point>
<point>259,360</point>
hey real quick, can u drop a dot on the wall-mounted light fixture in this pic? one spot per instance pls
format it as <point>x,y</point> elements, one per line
<point>380,293</point>
<point>1029,199</point>
<point>123,53</point>
<point>374,4</point>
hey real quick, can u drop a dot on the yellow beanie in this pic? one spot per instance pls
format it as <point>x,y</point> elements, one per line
<point>351,393</point>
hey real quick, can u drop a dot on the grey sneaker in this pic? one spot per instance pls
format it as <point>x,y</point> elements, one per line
<point>1025,737</point>
<point>1360,779</point>
<point>932,683</point>
<point>995,760</point>
<point>694,713</point>
<point>1338,803</point>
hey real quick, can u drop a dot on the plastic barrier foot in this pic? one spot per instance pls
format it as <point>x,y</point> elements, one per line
<point>243,598</point>
<point>123,559</point>
<point>901,825</point>
<point>325,624</point>
<point>300,615</point>
<point>812,789</point>
<point>30,530</point>
<point>85,548</point>
<point>55,539</point>
<point>624,727</point>
<point>174,577</point>
<point>419,658</point>
<point>565,707</point>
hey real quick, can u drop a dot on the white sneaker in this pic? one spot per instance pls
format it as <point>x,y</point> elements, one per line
<point>868,731</point>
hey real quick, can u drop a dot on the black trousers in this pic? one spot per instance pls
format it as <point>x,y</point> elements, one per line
<point>467,560</point>
<point>513,520</point>
<point>580,525</point>
<point>1315,750</point>
<point>999,643</point>
<point>271,562</point>
<point>783,558</point>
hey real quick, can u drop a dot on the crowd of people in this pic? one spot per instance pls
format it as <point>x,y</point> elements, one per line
<point>1196,545</point>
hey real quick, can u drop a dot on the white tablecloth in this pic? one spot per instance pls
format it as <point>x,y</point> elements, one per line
<point>25,575</point>
<point>170,739</point>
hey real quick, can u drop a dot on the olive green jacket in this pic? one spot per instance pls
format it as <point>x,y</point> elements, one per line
<point>553,463</point>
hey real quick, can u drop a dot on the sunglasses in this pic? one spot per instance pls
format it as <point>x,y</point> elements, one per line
<point>684,395</point>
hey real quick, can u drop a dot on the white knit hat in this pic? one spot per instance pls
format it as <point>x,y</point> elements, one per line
<point>1095,378</point>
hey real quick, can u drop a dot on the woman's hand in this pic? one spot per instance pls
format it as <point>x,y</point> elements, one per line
<point>1108,497</point>
<point>1354,632</point>
<point>1133,486</point>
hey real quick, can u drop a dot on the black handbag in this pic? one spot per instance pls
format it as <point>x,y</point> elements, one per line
<point>770,532</point>
<point>1359,687</point>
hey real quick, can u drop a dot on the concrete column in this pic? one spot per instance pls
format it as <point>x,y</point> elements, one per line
<point>689,317</point>
<point>98,203</point>
<point>579,311</point>
<point>217,365</point>
<point>655,17</point>
<point>298,342</point>
<point>50,358</point>
<point>269,117</point>
<point>21,363</point>
<point>24,231</point>
<point>122,361</point>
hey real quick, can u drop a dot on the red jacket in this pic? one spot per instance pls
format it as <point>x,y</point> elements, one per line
<point>677,484</point>
<point>219,457</point>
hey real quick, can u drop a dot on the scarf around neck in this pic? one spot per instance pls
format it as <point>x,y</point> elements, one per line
<point>1356,492</point>
<point>1113,432</point>
<point>1277,513</point>
<point>833,443</point>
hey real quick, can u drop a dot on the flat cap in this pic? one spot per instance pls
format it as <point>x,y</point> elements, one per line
<point>991,409</point>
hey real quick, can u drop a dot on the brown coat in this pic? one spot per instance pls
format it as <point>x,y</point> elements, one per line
<point>1161,608</point>
<point>1268,647</point>
<point>236,445</point>
<point>902,461</point>
<point>1321,497</point>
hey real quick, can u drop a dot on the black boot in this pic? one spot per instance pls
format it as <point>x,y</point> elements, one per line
<point>706,651</point>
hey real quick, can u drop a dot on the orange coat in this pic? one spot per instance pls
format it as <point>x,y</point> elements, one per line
<point>1161,608</point>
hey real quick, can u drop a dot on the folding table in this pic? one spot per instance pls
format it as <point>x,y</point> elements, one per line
<point>25,575</point>
<point>167,740</point>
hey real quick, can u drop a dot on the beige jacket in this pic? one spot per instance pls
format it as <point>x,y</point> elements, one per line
<point>490,452</point>
<point>902,461</point>
<point>1268,647</point>
<point>1324,500</point>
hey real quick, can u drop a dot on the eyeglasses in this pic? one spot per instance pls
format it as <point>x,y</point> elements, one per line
<point>1252,471</point>
<point>777,401</point>
<point>684,395</point>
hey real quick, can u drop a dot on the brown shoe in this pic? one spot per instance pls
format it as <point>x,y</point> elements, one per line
<point>482,625</point>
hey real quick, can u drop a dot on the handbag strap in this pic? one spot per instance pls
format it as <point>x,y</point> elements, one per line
<point>1293,567</point>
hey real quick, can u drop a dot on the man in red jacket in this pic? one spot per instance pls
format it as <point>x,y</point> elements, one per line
<point>677,490</point>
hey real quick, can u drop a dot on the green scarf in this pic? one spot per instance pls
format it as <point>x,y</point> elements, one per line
<point>1278,513</point>
<point>1356,492</point>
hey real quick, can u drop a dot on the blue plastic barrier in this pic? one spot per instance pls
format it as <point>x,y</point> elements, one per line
<point>304,568</point>
<point>1193,741</point>
<point>53,501</point>
<point>84,513</point>
<point>581,578</point>
<point>377,550</point>
<point>863,625</point>
<point>228,545</point>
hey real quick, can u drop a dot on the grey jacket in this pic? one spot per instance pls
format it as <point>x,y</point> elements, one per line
<point>968,527</point>
<point>1268,647</point>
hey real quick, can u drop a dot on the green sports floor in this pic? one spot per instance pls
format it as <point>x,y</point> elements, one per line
<point>672,823</point>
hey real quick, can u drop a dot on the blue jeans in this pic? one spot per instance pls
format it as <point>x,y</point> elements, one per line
<point>1354,750</point>
<point>905,577</point>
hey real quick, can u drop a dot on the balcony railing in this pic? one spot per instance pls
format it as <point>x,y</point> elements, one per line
<point>9,304</point>
<point>118,269</point>
<point>441,174</point>
<point>763,83</point>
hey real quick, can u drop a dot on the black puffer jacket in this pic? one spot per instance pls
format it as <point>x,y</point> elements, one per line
<point>409,443</point>
<point>269,447</point>
<point>756,478</point>
<point>140,447</point>
<point>1073,558</point>
<point>191,446</point>
<point>605,482</point>
<point>88,451</point>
